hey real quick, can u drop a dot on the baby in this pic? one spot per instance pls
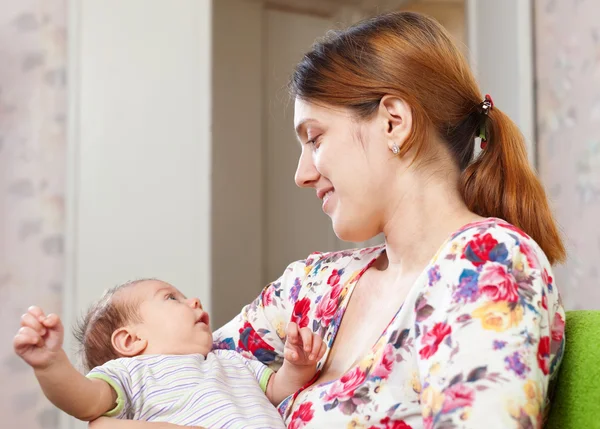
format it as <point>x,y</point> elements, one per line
<point>149,349</point>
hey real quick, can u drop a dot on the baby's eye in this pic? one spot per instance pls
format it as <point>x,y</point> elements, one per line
<point>172,296</point>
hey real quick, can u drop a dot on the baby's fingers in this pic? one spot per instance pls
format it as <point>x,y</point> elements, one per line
<point>293,336</point>
<point>322,350</point>
<point>28,320</point>
<point>37,312</point>
<point>52,321</point>
<point>316,347</point>
<point>307,339</point>
<point>26,337</point>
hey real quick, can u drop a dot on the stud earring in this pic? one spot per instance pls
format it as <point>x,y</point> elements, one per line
<point>395,149</point>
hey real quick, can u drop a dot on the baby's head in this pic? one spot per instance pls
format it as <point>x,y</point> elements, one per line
<point>143,317</point>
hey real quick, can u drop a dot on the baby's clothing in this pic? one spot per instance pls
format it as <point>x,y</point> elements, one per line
<point>224,390</point>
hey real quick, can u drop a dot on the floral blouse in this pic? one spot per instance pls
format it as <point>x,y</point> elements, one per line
<point>476,343</point>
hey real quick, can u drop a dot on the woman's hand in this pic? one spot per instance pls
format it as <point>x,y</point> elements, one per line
<point>110,423</point>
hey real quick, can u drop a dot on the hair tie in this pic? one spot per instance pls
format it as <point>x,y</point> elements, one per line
<point>485,106</point>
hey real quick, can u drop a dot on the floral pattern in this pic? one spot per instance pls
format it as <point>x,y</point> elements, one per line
<point>477,342</point>
<point>567,74</point>
<point>33,137</point>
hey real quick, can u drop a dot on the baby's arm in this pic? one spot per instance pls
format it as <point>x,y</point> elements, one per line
<point>303,350</point>
<point>39,343</point>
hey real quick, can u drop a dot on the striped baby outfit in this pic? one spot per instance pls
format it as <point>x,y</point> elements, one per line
<point>224,390</point>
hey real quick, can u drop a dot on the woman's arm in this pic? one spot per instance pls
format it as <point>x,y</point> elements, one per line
<point>110,423</point>
<point>489,334</point>
<point>260,327</point>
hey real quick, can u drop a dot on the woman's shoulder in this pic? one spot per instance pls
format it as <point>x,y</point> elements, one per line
<point>320,269</point>
<point>321,261</point>
<point>492,240</point>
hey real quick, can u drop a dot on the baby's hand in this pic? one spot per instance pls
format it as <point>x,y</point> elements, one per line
<point>302,346</point>
<point>40,338</point>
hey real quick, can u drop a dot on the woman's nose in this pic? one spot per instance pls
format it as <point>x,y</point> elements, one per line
<point>306,172</point>
<point>194,303</point>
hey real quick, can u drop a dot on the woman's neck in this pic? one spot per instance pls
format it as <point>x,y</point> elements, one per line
<point>420,223</point>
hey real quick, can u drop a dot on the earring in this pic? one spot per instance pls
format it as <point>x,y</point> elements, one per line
<point>395,149</point>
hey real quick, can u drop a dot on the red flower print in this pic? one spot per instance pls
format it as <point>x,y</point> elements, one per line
<point>387,423</point>
<point>433,339</point>
<point>544,301</point>
<point>250,340</point>
<point>334,278</point>
<point>300,313</point>
<point>428,423</point>
<point>497,283</point>
<point>384,367</point>
<point>546,278</point>
<point>268,296</point>
<point>530,254</point>
<point>558,328</point>
<point>344,388</point>
<point>328,306</point>
<point>301,416</point>
<point>458,395</point>
<point>478,249</point>
<point>543,355</point>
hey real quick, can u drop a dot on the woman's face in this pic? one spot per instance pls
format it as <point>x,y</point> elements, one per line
<point>349,163</point>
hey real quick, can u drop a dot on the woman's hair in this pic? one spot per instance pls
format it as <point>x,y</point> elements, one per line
<point>411,56</point>
<point>94,331</point>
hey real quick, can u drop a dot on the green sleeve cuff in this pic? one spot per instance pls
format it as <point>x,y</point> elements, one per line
<point>265,377</point>
<point>120,402</point>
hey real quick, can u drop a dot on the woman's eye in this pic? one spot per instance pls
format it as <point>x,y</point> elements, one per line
<point>315,141</point>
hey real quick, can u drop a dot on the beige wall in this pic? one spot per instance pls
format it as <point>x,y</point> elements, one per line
<point>295,223</point>
<point>237,156</point>
<point>451,14</point>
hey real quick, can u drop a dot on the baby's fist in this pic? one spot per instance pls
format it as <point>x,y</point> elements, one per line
<point>40,338</point>
<point>303,347</point>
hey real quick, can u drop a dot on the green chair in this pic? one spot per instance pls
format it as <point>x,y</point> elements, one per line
<point>576,402</point>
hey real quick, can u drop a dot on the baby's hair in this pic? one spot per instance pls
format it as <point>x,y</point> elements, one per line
<point>94,331</point>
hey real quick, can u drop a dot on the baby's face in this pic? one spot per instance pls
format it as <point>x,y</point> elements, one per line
<point>171,323</point>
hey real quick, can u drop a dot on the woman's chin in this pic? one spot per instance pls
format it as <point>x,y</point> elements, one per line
<point>353,232</point>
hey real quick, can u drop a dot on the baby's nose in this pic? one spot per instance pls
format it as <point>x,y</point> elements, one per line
<point>195,303</point>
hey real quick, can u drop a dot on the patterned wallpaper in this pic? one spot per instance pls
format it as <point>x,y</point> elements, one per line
<point>567,41</point>
<point>32,185</point>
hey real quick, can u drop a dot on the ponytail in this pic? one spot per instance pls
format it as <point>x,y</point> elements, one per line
<point>500,183</point>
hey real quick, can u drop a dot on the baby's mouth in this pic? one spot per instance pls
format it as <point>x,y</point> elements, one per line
<point>204,318</point>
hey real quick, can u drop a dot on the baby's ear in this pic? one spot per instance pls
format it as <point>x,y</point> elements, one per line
<point>127,343</point>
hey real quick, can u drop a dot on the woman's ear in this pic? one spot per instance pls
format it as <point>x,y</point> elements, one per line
<point>127,343</point>
<point>397,116</point>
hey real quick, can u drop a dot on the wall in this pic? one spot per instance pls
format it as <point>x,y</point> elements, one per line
<point>139,156</point>
<point>237,153</point>
<point>295,223</point>
<point>451,14</point>
<point>568,114</point>
<point>32,189</point>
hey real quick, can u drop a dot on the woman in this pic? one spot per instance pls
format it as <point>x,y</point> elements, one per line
<point>455,321</point>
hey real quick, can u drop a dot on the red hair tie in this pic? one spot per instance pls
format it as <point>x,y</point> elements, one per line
<point>486,105</point>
